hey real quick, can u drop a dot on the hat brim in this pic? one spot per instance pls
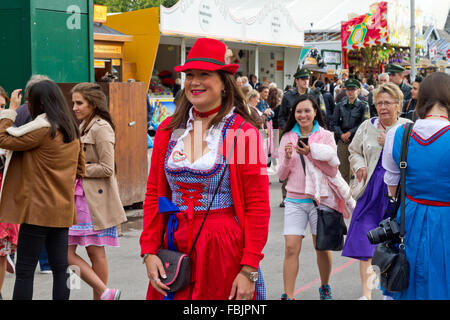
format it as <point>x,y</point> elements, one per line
<point>204,65</point>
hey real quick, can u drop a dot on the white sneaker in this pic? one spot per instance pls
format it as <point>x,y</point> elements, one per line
<point>387,298</point>
<point>46,271</point>
<point>362,298</point>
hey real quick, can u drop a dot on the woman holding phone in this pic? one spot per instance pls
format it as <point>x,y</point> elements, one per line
<point>319,180</point>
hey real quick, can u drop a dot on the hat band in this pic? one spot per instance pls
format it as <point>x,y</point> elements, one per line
<point>207,60</point>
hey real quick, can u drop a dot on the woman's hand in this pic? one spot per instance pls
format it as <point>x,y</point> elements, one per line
<point>288,150</point>
<point>361,174</point>
<point>305,150</point>
<point>16,97</point>
<point>154,270</point>
<point>381,138</point>
<point>242,288</point>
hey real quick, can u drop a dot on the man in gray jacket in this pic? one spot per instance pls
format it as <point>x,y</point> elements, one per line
<point>348,115</point>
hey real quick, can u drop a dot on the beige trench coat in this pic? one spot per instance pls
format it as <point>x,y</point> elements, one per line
<point>99,181</point>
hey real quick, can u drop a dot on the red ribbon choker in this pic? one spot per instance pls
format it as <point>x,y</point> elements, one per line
<point>205,114</point>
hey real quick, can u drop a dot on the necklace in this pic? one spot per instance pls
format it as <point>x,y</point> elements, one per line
<point>436,115</point>
<point>207,113</point>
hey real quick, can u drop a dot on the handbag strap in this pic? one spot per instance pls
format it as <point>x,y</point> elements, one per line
<point>217,188</point>
<point>403,165</point>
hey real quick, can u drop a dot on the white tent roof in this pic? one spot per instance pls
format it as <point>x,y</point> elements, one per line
<point>328,14</point>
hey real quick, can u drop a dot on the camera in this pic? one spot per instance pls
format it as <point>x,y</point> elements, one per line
<point>388,230</point>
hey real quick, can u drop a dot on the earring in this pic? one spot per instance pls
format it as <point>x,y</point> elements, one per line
<point>224,92</point>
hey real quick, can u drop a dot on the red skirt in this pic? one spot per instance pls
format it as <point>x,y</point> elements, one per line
<point>215,261</point>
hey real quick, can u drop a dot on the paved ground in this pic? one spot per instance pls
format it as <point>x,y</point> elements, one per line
<point>128,273</point>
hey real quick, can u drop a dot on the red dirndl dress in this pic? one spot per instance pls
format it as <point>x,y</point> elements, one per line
<point>9,234</point>
<point>217,254</point>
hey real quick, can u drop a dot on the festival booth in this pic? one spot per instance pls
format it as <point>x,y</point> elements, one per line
<point>380,37</point>
<point>108,48</point>
<point>323,59</point>
<point>264,40</point>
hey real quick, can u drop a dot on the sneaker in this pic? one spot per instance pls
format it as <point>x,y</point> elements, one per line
<point>111,294</point>
<point>46,271</point>
<point>362,298</point>
<point>325,292</point>
<point>284,297</point>
<point>10,266</point>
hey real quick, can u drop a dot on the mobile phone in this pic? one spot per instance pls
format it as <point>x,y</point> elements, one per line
<point>304,140</point>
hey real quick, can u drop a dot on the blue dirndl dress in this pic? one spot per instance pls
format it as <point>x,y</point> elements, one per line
<point>427,215</point>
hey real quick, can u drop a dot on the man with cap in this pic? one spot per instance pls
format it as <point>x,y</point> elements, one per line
<point>301,87</point>
<point>395,72</point>
<point>348,115</point>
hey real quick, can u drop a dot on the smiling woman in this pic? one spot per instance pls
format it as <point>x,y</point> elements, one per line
<point>187,165</point>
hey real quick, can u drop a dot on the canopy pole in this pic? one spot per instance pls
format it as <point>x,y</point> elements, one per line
<point>257,62</point>
<point>183,60</point>
<point>412,50</point>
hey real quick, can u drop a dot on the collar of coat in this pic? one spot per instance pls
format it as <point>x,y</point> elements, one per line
<point>91,123</point>
<point>39,122</point>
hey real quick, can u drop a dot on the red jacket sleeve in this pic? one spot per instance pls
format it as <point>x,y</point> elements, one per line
<point>253,184</point>
<point>153,222</point>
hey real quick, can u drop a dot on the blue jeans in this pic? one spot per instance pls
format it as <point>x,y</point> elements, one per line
<point>43,259</point>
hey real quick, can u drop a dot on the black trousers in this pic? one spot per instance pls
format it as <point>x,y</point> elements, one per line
<point>30,242</point>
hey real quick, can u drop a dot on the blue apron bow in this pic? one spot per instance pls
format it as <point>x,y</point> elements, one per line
<point>167,206</point>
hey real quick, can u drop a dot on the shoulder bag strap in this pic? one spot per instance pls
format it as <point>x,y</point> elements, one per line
<point>218,186</point>
<point>304,170</point>
<point>403,164</point>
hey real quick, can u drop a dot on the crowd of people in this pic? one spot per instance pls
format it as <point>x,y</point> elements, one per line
<point>335,146</point>
<point>61,171</point>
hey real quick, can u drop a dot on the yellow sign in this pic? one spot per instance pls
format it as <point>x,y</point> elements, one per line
<point>115,62</point>
<point>108,49</point>
<point>99,64</point>
<point>100,13</point>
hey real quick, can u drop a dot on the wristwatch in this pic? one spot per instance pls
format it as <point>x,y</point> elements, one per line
<point>252,276</point>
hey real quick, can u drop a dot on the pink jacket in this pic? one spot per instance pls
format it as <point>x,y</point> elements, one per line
<point>323,181</point>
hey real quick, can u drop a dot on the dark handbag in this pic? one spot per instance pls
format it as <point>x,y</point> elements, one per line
<point>177,265</point>
<point>390,256</point>
<point>178,269</point>
<point>331,227</point>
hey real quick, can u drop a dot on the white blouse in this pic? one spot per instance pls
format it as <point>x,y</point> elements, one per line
<point>178,158</point>
<point>423,127</point>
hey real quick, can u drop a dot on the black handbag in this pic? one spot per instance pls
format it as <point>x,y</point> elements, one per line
<point>177,265</point>
<point>331,227</point>
<point>390,256</point>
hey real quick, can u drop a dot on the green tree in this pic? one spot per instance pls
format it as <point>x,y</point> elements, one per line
<point>131,5</point>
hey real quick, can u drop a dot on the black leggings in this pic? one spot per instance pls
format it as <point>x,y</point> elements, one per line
<point>30,242</point>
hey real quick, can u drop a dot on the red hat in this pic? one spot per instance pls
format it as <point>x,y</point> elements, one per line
<point>207,54</point>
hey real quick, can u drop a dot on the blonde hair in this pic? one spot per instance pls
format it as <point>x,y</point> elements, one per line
<point>251,94</point>
<point>391,89</point>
